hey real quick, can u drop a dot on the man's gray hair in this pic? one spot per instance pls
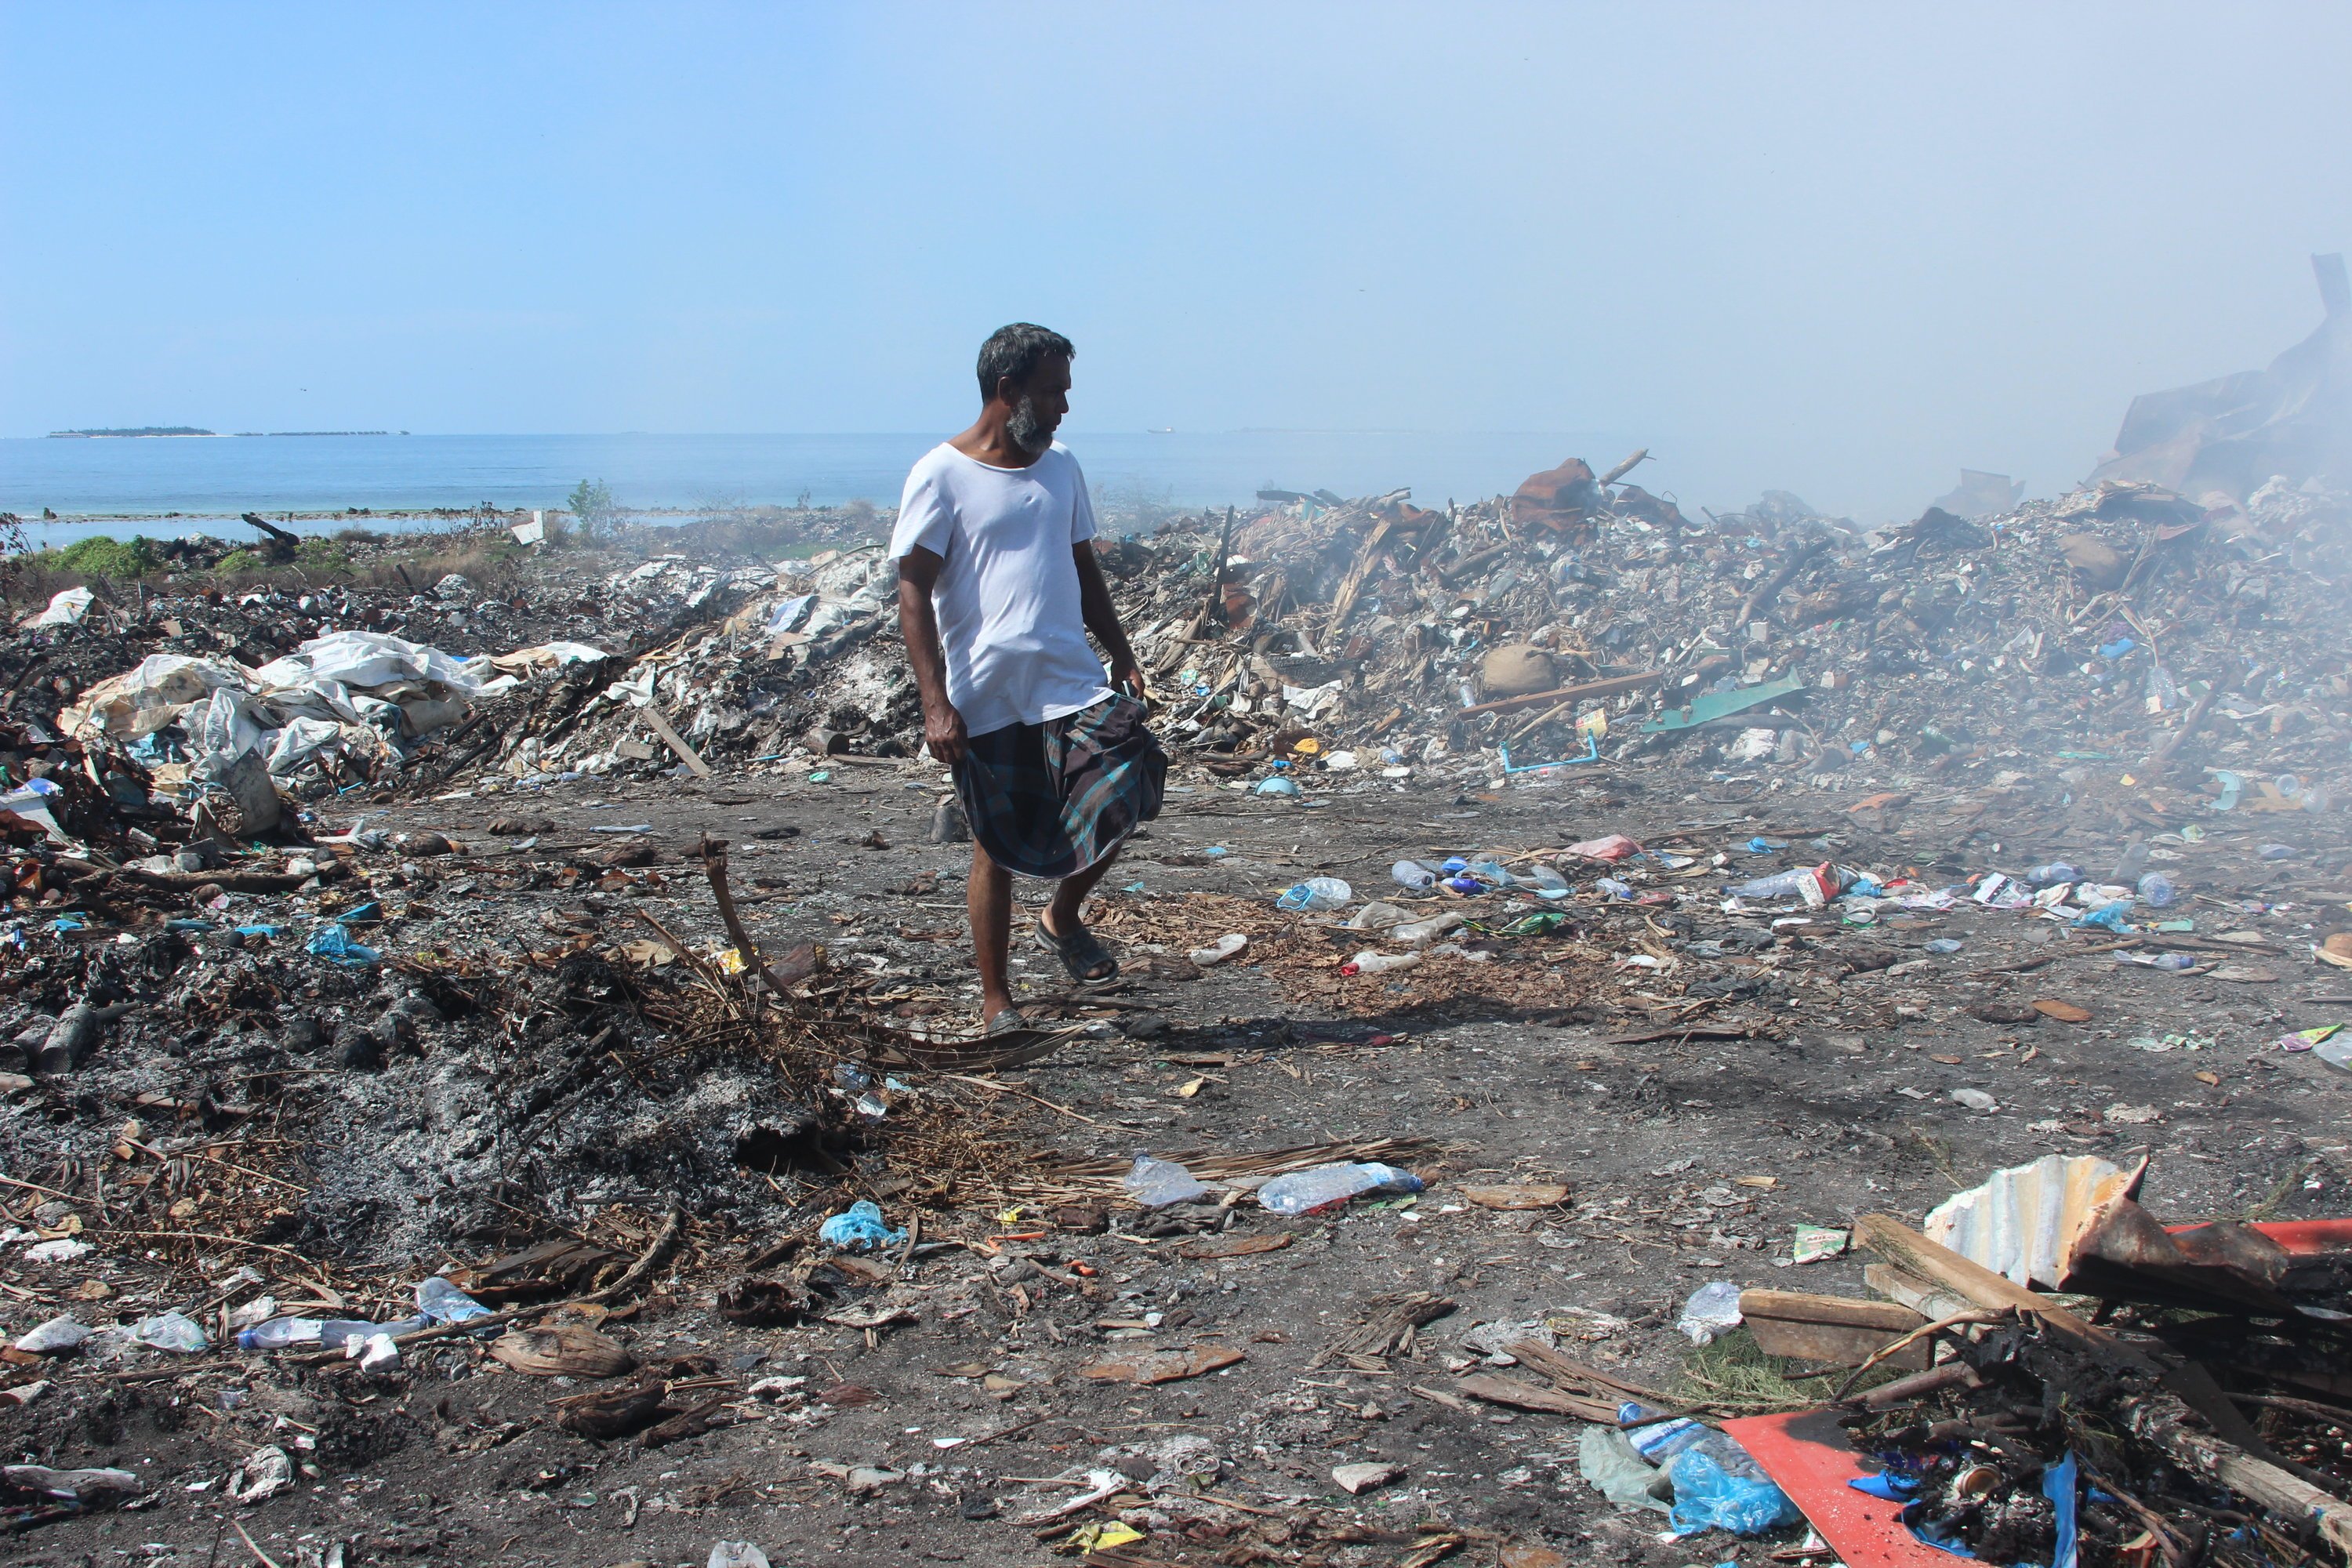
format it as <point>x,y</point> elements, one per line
<point>1016,351</point>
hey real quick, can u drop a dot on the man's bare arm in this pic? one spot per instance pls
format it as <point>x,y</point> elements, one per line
<point>1102,619</point>
<point>918,624</point>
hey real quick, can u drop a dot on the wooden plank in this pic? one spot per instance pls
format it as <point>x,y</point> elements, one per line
<point>1930,1301</point>
<point>676,742</point>
<point>1520,1395</point>
<point>1608,688</point>
<point>1840,1330</point>
<point>1846,1312</point>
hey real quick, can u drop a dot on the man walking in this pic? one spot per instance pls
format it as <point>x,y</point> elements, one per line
<point>998,587</point>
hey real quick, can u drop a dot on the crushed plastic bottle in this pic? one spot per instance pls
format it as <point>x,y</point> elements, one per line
<point>1613,888</point>
<point>2155,891</point>
<point>172,1332</point>
<point>1712,1310</point>
<point>1371,962</point>
<point>341,1333</point>
<point>1328,1186</point>
<point>443,1302</point>
<point>2056,872</point>
<point>1489,870</point>
<point>1412,874</point>
<point>1315,893</point>
<point>1546,878</point>
<point>1376,916</point>
<point>1156,1184</point>
<point>280,1332</point>
<point>2174,961</point>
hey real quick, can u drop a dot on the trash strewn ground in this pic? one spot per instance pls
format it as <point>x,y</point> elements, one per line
<point>1676,901</point>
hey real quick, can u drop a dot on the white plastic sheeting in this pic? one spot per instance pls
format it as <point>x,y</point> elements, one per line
<point>66,608</point>
<point>363,690</point>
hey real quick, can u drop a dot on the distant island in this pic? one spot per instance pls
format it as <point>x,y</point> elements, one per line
<point>191,430</point>
<point>118,435</point>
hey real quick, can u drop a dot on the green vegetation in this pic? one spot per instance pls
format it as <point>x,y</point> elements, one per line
<point>1734,1376</point>
<point>591,502</point>
<point>238,561</point>
<point>102,556</point>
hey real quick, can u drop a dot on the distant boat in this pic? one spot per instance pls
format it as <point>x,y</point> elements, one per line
<point>1160,430</point>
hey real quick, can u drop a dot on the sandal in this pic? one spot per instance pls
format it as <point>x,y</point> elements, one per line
<point>1081,953</point>
<point>1008,1022</point>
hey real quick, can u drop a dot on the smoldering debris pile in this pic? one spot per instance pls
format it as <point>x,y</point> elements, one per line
<point>1582,620</point>
<point>2188,1417</point>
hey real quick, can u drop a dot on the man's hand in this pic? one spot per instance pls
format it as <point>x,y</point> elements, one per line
<point>943,733</point>
<point>1128,677</point>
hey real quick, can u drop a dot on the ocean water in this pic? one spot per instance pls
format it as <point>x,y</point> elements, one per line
<point>121,486</point>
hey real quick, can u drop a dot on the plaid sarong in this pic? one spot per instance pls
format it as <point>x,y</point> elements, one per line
<point>1050,799</point>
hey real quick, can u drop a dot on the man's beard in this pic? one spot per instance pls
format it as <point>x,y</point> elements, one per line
<point>1028,428</point>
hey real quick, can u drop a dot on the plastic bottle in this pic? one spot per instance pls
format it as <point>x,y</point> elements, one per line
<point>1328,1186</point>
<point>337,1333</point>
<point>2155,891</point>
<point>171,1332</point>
<point>1613,887</point>
<point>2158,960</point>
<point>1315,893</point>
<point>1412,874</point>
<point>1547,879</point>
<point>443,1302</point>
<point>1371,962</point>
<point>2133,862</point>
<point>1488,869</point>
<point>1156,1184</point>
<point>280,1332</point>
<point>2056,872</point>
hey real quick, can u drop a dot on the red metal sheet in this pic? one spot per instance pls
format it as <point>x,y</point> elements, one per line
<point>1807,1453</point>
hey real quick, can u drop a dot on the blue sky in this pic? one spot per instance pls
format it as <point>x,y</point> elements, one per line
<point>1842,250</point>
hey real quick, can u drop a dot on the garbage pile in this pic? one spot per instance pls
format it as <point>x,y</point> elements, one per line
<point>2194,1414</point>
<point>1585,619</point>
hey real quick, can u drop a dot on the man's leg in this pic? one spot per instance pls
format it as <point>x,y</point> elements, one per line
<point>988,901</point>
<point>1061,915</point>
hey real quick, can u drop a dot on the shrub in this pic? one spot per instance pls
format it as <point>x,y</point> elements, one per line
<point>102,556</point>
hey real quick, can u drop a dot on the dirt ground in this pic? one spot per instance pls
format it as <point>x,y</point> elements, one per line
<point>953,1437</point>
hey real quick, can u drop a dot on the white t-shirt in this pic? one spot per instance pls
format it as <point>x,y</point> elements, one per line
<point>1007,598</point>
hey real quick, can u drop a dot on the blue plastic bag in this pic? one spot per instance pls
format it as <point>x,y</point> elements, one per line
<point>859,1227</point>
<point>2107,917</point>
<point>1708,1497</point>
<point>333,942</point>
